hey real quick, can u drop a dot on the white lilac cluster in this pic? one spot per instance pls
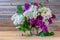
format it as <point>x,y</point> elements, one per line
<point>46,13</point>
<point>32,12</point>
<point>17,19</point>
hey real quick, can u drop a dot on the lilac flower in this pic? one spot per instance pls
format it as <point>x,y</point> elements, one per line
<point>27,6</point>
<point>35,4</point>
<point>24,10</point>
<point>53,16</point>
<point>39,17</point>
<point>39,23</point>
<point>50,20</point>
<point>44,28</point>
<point>31,21</point>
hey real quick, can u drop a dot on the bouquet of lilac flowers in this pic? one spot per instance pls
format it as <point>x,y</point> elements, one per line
<point>33,16</point>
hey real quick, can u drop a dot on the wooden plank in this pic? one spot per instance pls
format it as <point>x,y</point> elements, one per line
<point>54,0</point>
<point>21,2</point>
<point>16,35</point>
<point>8,29</point>
<point>13,9</point>
<point>44,3</point>
<point>5,0</point>
<point>6,23</point>
<point>4,3</point>
<point>15,2</point>
<point>32,0</point>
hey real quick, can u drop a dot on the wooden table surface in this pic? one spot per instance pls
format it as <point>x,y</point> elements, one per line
<point>16,35</point>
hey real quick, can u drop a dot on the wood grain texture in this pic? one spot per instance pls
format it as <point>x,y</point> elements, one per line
<point>16,35</point>
<point>6,23</point>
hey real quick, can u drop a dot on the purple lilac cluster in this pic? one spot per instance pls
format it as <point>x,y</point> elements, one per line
<point>27,6</point>
<point>38,21</point>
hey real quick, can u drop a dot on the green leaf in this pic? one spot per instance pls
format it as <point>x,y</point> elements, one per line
<point>26,24</point>
<point>46,33</point>
<point>41,34</point>
<point>31,2</point>
<point>40,5</point>
<point>19,12</point>
<point>19,7</point>
<point>39,13</point>
<point>21,28</point>
<point>51,33</point>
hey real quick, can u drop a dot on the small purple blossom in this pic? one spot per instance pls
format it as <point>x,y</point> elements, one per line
<point>27,6</point>
<point>44,28</point>
<point>50,20</point>
<point>53,16</point>
<point>39,17</point>
<point>39,23</point>
<point>24,10</point>
<point>31,21</point>
<point>35,4</point>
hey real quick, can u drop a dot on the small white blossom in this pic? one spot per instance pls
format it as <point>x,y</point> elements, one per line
<point>17,19</point>
<point>28,14</point>
<point>31,13</point>
<point>35,13</point>
<point>13,16</point>
<point>45,12</point>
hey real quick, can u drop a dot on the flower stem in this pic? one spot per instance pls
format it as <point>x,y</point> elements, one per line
<point>37,31</point>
